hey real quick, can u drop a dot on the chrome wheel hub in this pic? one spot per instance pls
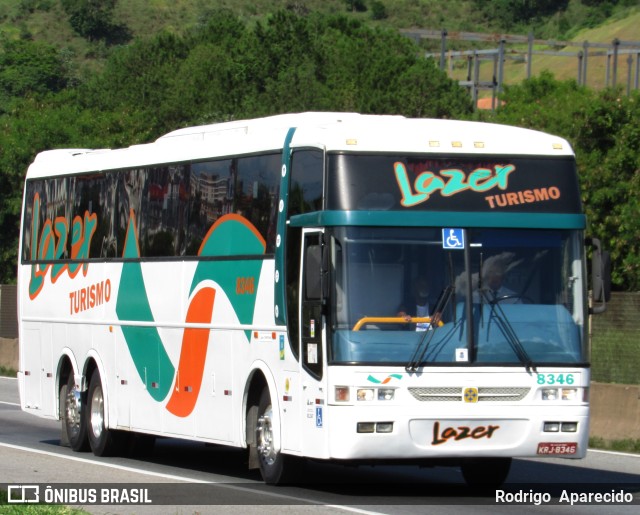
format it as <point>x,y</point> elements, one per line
<point>73,407</point>
<point>264,433</point>
<point>97,412</point>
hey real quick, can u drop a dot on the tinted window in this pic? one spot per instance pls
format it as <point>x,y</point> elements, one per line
<point>46,211</point>
<point>483,183</point>
<point>174,207</point>
<point>212,186</point>
<point>163,219</point>
<point>256,193</point>
<point>95,205</point>
<point>305,193</point>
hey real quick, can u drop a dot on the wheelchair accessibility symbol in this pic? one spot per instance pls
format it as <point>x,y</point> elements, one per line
<point>452,239</point>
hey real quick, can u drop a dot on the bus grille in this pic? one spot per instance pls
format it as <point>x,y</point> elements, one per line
<point>485,393</point>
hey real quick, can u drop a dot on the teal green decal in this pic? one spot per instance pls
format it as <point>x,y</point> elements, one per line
<point>233,235</point>
<point>281,236</point>
<point>145,346</point>
<point>385,380</point>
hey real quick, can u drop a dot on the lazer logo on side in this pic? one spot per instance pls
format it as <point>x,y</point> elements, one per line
<point>50,244</point>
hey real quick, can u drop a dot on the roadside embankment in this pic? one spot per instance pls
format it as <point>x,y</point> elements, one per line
<point>615,411</point>
<point>9,353</point>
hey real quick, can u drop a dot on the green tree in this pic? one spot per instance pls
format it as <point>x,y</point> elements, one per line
<point>610,137</point>
<point>94,19</point>
<point>356,5</point>
<point>344,65</point>
<point>378,10</point>
<point>139,77</point>
<point>510,13</point>
<point>30,68</point>
<point>226,69</point>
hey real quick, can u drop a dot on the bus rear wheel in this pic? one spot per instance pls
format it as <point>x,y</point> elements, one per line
<point>276,468</point>
<point>103,441</point>
<point>73,415</point>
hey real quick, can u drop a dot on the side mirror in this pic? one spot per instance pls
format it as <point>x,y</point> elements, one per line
<point>600,276</point>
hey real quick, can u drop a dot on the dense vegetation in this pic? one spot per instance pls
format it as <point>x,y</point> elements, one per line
<point>333,55</point>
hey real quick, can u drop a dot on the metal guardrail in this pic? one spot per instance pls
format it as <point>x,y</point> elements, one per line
<point>612,51</point>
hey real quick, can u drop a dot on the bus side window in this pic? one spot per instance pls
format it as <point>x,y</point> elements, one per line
<point>164,211</point>
<point>91,197</point>
<point>305,190</point>
<point>256,193</point>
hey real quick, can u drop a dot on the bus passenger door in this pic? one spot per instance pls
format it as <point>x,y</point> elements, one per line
<point>312,344</point>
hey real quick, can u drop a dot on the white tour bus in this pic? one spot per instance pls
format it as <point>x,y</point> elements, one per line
<point>329,286</point>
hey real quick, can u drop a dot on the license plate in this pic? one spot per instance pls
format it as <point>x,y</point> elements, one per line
<point>556,448</point>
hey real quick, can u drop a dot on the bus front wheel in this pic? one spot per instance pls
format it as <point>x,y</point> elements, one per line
<point>275,467</point>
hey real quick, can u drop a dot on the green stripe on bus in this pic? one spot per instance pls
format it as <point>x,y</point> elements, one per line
<point>440,219</point>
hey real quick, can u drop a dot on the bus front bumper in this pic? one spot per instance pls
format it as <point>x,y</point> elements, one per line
<point>514,431</point>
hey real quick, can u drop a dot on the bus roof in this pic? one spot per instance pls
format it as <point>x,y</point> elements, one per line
<point>348,132</point>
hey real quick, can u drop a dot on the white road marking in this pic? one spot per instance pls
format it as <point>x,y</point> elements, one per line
<point>185,479</point>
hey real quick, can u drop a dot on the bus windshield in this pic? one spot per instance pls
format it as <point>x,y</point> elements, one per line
<point>512,297</point>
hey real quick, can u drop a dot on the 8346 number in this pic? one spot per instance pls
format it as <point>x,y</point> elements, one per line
<point>552,379</point>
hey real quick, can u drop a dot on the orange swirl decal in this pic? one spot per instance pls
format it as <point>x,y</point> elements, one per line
<point>192,354</point>
<point>231,235</point>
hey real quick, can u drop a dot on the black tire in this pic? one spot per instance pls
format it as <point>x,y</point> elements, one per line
<point>276,468</point>
<point>103,441</point>
<point>486,472</point>
<point>73,417</point>
<point>64,439</point>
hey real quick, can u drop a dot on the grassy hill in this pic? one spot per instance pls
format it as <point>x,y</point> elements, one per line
<point>45,20</point>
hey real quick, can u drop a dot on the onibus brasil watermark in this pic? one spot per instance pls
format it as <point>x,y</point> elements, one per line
<point>55,494</point>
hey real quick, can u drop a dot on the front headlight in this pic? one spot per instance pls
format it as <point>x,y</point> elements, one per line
<point>365,394</point>
<point>569,394</point>
<point>342,393</point>
<point>557,394</point>
<point>386,394</point>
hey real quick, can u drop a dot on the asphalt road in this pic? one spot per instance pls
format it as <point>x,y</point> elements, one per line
<point>186,478</point>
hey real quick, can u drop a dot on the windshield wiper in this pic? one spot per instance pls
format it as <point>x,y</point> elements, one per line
<point>507,330</point>
<point>443,300</point>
